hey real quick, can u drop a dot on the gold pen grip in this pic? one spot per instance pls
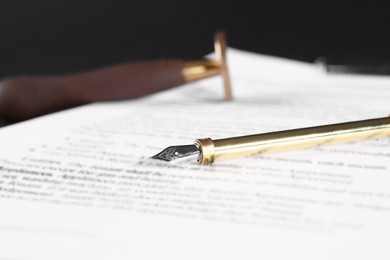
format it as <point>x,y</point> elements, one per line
<point>213,150</point>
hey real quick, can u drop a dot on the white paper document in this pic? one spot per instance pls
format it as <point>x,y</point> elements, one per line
<point>79,184</point>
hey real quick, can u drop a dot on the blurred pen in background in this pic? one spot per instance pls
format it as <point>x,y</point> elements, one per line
<point>339,65</point>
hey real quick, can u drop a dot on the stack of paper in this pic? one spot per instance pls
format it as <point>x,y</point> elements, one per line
<point>79,184</point>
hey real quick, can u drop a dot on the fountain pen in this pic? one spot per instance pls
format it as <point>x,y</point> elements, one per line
<point>27,96</point>
<point>212,150</point>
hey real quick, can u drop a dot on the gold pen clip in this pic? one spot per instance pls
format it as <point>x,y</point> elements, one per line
<point>200,69</point>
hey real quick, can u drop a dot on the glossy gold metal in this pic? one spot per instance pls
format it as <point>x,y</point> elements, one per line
<point>200,69</point>
<point>207,151</point>
<point>211,151</point>
<point>220,46</point>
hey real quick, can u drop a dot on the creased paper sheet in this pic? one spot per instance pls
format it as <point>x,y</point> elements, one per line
<point>79,184</point>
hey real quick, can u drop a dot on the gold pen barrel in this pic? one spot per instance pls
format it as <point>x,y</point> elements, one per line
<point>213,150</point>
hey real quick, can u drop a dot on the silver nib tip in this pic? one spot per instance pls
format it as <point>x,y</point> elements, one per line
<point>174,152</point>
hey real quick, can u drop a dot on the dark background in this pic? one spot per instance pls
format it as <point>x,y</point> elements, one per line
<point>59,37</point>
<point>45,36</point>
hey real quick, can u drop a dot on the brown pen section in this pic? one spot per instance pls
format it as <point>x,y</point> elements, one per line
<point>24,97</point>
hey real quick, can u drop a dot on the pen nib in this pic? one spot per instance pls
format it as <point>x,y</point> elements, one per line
<point>174,152</point>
